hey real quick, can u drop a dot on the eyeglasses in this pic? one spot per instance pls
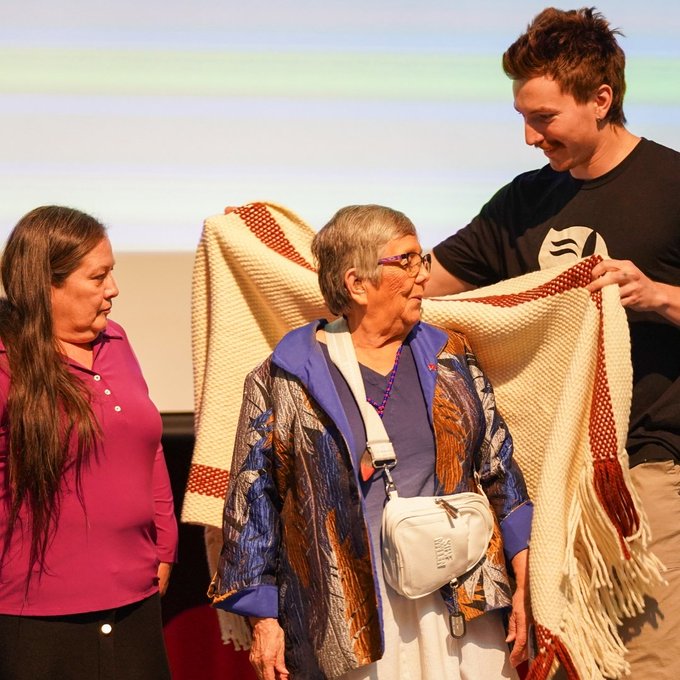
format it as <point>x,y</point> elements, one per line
<point>409,262</point>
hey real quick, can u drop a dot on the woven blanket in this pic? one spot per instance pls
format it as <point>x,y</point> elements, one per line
<point>559,360</point>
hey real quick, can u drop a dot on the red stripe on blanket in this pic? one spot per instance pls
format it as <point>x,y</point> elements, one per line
<point>208,481</point>
<point>577,276</point>
<point>550,648</point>
<point>261,222</point>
<point>610,487</point>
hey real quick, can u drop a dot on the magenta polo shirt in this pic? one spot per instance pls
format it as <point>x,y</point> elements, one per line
<point>106,550</point>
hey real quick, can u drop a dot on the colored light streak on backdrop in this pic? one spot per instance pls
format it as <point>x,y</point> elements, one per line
<point>154,115</point>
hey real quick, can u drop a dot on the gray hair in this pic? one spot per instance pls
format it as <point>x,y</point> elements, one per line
<point>354,238</point>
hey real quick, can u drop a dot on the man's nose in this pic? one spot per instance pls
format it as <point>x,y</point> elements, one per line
<point>531,136</point>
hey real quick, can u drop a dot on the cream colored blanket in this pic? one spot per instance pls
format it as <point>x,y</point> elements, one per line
<point>559,360</point>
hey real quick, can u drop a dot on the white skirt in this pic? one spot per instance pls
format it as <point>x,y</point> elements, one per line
<point>418,645</point>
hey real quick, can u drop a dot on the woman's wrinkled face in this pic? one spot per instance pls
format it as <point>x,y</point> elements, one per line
<point>82,302</point>
<point>398,297</point>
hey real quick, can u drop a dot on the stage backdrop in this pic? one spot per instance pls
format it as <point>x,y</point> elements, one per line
<point>153,115</point>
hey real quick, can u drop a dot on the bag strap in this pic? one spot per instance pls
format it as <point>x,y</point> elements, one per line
<point>342,354</point>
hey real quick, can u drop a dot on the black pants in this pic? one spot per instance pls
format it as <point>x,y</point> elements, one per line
<point>116,644</point>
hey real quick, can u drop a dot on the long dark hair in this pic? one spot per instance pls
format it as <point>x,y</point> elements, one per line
<point>48,408</point>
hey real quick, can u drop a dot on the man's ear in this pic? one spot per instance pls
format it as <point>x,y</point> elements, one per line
<point>355,286</point>
<point>603,101</point>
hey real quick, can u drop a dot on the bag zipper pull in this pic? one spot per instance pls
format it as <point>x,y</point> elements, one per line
<point>450,509</point>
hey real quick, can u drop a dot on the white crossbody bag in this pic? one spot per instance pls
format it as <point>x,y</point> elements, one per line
<point>427,541</point>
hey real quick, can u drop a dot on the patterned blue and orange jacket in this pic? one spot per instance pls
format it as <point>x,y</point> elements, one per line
<point>296,543</point>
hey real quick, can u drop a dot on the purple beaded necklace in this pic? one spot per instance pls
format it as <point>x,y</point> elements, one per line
<point>380,408</point>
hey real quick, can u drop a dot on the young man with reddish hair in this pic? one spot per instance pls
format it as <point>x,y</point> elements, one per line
<point>610,192</point>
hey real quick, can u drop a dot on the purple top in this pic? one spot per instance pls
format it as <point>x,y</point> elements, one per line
<point>105,554</point>
<point>406,420</point>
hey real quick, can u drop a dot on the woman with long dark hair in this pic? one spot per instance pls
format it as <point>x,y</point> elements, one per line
<point>87,529</point>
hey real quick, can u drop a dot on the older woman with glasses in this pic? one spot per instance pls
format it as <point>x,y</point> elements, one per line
<point>302,541</point>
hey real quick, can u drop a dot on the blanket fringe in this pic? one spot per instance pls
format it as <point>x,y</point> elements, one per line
<point>604,582</point>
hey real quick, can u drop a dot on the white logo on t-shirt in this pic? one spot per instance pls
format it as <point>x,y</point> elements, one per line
<point>568,245</point>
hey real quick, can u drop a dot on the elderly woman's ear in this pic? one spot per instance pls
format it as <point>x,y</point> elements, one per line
<point>355,287</point>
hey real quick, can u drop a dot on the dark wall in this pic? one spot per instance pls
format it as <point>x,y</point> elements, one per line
<point>192,636</point>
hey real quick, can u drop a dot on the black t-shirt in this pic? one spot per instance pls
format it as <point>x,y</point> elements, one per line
<point>545,218</point>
